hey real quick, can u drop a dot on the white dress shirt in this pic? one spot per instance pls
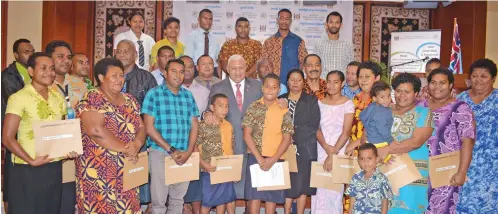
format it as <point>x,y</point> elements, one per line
<point>148,42</point>
<point>234,88</point>
<point>194,46</point>
<point>158,75</point>
<point>201,95</point>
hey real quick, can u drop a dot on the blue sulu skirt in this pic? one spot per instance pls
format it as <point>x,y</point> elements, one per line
<point>275,196</point>
<point>216,194</point>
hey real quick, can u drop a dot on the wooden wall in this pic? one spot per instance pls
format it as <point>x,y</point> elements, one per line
<point>4,17</point>
<point>71,21</point>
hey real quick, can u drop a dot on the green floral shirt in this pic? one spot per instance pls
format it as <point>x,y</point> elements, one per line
<point>31,107</point>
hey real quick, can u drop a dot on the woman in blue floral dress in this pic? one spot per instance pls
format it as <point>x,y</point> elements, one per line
<point>412,127</point>
<point>480,193</point>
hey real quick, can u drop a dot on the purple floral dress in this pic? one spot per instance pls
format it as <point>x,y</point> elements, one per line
<point>453,122</point>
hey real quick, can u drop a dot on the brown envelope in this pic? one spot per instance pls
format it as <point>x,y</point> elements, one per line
<point>287,183</point>
<point>228,168</point>
<point>189,171</point>
<point>442,168</point>
<point>401,172</point>
<point>290,156</point>
<point>57,138</point>
<point>136,174</point>
<point>323,179</point>
<point>343,168</point>
<point>68,171</point>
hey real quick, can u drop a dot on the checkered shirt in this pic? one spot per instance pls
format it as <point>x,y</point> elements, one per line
<point>172,114</point>
<point>335,55</point>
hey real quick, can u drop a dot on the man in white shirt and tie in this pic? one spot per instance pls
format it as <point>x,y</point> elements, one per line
<point>203,41</point>
<point>143,42</point>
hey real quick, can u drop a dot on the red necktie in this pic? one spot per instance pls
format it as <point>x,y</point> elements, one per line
<point>238,96</point>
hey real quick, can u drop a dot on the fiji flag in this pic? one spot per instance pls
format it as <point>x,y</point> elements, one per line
<point>456,52</point>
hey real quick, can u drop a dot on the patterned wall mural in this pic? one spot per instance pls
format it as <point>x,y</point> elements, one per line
<point>110,20</point>
<point>358,24</point>
<point>386,19</point>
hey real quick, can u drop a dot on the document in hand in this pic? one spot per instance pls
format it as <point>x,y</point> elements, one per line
<point>343,168</point>
<point>290,156</point>
<point>57,138</point>
<point>277,178</point>
<point>175,173</point>
<point>401,171</point>
<point>68,171</point>
<point>323,179</point>
<point>228,168</point>
<point>442,168</point>
<point>136,174</point>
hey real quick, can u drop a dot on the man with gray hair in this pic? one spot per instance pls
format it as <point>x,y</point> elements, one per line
<point>245,91</point>
<point>137,83</point>
<point>241,92</point>
<point>264,67</point>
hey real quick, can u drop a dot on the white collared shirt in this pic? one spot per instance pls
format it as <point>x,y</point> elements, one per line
<point>148,42</point>
<point>234,87</point>
<point>194,46</point>
<point>201,95</point>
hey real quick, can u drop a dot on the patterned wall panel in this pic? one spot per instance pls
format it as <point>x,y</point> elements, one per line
<point>358,25</point>
<point>110,20</point>
<point>386,19</point>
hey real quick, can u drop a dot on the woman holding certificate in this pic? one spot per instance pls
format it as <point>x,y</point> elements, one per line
<point>336,113</point>
<point>479,195</point>
<point>112,130</point>
<point>267,134</point>
<point>411,129</point>
<point>35,185</point>
<point>306,119</point>
<point>455,131</point>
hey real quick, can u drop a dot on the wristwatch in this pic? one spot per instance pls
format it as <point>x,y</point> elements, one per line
<point>171,150</point>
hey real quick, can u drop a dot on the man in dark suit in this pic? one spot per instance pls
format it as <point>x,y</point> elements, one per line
<point>241,92</point>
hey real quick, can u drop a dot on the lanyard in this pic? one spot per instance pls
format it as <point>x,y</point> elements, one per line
<point>65,92</point>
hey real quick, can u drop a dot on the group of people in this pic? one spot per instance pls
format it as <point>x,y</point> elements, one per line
<point>169,99</point>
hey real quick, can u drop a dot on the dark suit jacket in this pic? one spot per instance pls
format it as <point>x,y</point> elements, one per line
<point>252,92</point>
<point>11,83</point>
<point>306,124</point>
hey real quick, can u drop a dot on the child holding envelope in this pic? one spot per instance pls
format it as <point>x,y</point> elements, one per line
<point>267,134</point>
<point>369,189</point>
<point>377,117</point>
<point>212,141</point>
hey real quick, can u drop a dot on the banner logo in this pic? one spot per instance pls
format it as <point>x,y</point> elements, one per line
<point>262,28</point>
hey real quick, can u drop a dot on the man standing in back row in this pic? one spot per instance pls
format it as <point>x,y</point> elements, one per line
<point>243,45</point>
<point>285,49</point>
<point>335,52</point>
<point>203,42</point>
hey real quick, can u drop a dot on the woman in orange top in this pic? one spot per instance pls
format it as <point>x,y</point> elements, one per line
<point>368,73</point>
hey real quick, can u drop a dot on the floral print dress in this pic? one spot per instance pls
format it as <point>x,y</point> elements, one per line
<point>99,171</point>
<point>480,193</point>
